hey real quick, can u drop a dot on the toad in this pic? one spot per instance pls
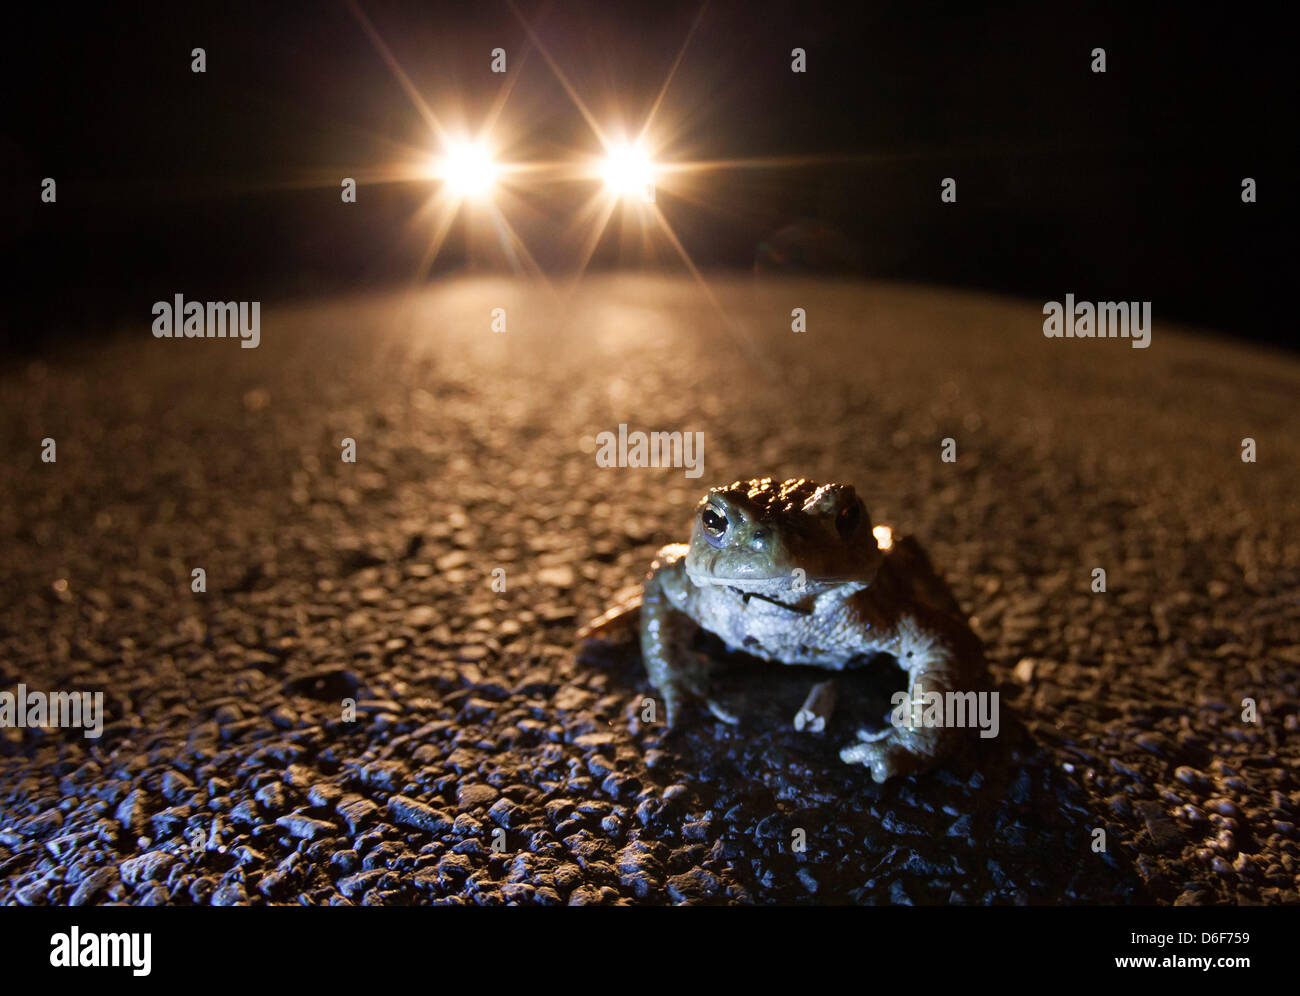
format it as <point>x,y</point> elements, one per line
<point>793,572</point>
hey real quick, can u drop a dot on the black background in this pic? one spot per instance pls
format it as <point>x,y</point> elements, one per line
<point>1117,186</point>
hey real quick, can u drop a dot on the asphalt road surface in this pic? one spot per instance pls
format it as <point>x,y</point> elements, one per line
<point>228,773</point>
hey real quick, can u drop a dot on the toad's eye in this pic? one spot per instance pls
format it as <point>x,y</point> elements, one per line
<point>847,522</point>
<point>715,525</point>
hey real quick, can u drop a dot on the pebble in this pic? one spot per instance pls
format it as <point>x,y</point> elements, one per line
<point>410,812</point>
<point>472,796</point>
<point>305,827</point>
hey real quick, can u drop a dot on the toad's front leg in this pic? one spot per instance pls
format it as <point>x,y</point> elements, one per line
<point>939,655</point>
<point>666,634</point>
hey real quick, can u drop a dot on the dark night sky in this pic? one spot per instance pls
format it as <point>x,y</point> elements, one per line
<point>1123,185</point>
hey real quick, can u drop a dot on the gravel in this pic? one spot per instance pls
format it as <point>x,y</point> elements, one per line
<point>357,711</point>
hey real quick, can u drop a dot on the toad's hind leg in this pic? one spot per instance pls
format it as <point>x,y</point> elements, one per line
<point>623,616</point>
<point>920,583</point>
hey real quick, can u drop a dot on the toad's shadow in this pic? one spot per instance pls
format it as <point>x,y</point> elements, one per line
<point>766,695</point>
<point>999,821</point>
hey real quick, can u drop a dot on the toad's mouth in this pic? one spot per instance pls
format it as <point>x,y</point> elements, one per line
<point>788,606</point>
